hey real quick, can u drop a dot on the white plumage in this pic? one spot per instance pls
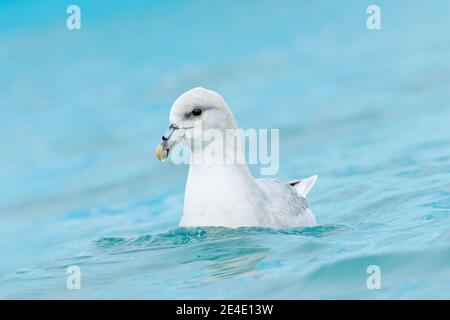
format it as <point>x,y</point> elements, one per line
<point>222,194</point>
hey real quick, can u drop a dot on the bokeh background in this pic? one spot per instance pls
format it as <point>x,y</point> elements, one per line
<point>81,112</point>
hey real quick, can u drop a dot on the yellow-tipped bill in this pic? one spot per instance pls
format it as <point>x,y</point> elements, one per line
<point>161,152</point>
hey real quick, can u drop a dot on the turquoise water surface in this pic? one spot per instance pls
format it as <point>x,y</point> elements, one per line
<point>81,112</point>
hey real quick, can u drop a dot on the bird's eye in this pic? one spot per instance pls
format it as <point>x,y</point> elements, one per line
<point>197,112</point>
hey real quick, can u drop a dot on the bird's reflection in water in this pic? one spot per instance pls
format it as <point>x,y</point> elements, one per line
<point>228,258</point>
<point>227,253</point>
<point>211,253</point>
<point>220,252</point>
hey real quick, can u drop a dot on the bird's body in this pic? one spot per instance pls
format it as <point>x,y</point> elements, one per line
<point>226,194</point>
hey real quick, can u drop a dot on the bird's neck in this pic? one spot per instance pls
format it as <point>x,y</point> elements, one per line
<point>220,153</point>
<point>213,184</point>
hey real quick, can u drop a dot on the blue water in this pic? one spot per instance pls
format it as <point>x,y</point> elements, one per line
<point>81,112</point>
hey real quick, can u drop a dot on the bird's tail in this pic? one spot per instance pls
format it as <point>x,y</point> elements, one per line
<point>304,186</point>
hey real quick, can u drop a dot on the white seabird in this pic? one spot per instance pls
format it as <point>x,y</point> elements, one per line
<point>225,194</point>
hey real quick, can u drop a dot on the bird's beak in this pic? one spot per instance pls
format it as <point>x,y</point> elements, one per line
<point>169,140</point>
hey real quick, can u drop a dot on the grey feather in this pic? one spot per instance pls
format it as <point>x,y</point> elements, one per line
<point>287,206</point>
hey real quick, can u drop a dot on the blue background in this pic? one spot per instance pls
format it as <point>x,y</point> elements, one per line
<point>81,112</point>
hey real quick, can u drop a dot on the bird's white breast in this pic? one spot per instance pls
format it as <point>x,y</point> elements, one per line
<point>220,195</point>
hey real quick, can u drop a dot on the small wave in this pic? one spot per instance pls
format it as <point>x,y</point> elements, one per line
<point>183,236</point>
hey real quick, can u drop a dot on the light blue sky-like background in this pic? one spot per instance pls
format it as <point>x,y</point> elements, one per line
<point>81,112</point>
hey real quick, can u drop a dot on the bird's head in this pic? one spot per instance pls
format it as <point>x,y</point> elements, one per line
<point>192,113</point>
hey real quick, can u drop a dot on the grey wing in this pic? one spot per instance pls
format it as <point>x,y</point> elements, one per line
<point>283,198</point>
